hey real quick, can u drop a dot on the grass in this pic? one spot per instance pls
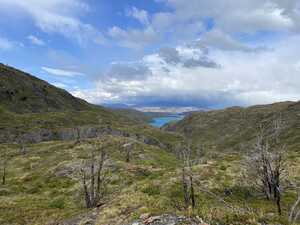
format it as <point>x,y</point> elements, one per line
<point>43,185</point>
<point>234,129</point>
<point>45,180</point>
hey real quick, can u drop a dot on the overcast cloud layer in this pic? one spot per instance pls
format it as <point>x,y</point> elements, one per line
<point>184,53</point>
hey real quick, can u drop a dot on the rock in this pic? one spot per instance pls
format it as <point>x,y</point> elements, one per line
<point>88,218</point>
<point>151,219</point>
<point>68,134</point>
<point>167,219</point>
<point>145,216</point>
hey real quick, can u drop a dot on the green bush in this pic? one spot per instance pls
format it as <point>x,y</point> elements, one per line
<point>151,190</point>
<point>58,203</point>
<point>223,167</point>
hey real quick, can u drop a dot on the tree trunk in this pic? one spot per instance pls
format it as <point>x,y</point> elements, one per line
<point>86,193</point>
<point>278,200</point>
<point>4,175</point>
<point>92,188</point>
<point>293,209</point>
<point>185,189</point>
<point>99,183</point>
<point>128,156</point>
<point>192,192</point>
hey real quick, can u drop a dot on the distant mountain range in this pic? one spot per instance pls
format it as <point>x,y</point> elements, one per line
<point>157,109</point>
<point>170,110</point>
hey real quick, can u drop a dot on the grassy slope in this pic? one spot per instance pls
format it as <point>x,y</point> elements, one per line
<point>135,115</point>
<point>234,128</point>
<point>22,93</point>
<point>43,186</point>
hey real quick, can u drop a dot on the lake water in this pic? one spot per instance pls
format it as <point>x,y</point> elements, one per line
<point>160,121</point>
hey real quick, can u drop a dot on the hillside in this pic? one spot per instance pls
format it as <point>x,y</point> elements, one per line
<point>44,186</point>
<point>234,128</point>
<point>31,110</point>
<point>22,93</point>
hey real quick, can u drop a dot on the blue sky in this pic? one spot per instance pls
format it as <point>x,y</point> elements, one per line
<point>158,52</point>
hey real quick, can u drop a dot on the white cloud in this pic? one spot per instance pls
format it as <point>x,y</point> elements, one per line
<point>59,84</point>
<point>60,72</point>
<point>244,78</point>
<point>6,44</point>
<point>141,15</point>
<point>240,16</point>
<point>36,41</point>
<point>186,21</point>
<point>221,40</point>
<point>133,38</point>
<point>58,16</point>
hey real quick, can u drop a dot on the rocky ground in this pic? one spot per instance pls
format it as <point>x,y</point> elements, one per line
<point>145,219</point>
<point>167,219</point>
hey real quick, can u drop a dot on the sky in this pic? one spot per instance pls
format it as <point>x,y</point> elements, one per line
<point>174,53</point>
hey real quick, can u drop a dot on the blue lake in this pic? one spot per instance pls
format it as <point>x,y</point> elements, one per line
<point>160,121</point>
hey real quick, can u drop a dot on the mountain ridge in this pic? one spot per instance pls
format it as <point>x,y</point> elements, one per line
<point>22,92</point>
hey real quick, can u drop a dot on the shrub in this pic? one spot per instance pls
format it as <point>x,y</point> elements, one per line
<point>58,203</point>
<point>151,190</point>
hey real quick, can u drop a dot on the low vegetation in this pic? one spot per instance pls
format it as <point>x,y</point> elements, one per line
<point>232,166</point>
<point>48,180</point>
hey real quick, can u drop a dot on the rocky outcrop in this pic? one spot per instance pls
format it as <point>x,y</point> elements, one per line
<point>67,134</point>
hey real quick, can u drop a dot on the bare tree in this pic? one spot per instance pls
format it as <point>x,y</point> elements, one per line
<point>266,165</point>
<point>188,160</point>
<point>128,147</point>
<point>94,183</point>
<point>3,161</point>
<point>78,135</point>
<point>294,213</point>
<point>4,173</point>
<point>21,143</point>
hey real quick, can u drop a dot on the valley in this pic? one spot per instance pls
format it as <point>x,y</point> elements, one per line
<point>51,145</point>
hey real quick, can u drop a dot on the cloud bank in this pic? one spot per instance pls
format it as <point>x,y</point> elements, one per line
<point>243,78</point>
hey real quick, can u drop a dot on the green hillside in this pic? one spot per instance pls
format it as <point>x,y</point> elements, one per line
<point>22,93</point>
<point>31,110</point>
<point>44,186</point>
<point>235,128</point>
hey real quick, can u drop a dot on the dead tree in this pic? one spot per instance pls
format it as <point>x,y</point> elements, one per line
<point>3,161</point>
<point>78,135</point>
<point>128,147</point>
<point>266,165</point>
<point>294,213</point>
<point>188,160</point>
<point>21,143</point>
<point>94,183</point>
<point>4,173</point>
